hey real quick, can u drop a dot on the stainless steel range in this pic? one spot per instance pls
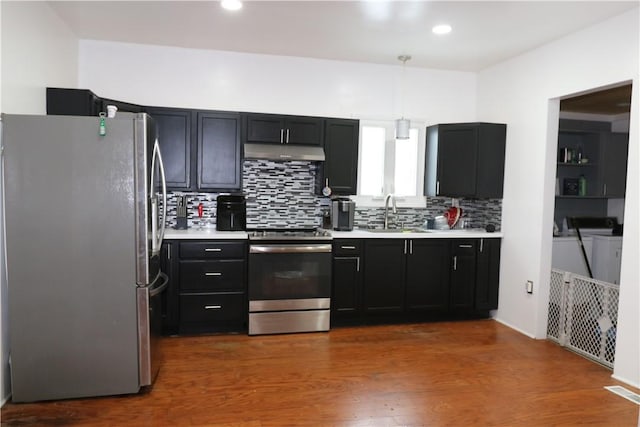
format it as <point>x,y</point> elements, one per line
<point>289,281</point>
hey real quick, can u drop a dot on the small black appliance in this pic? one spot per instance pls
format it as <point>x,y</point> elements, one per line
<point>231,212</point>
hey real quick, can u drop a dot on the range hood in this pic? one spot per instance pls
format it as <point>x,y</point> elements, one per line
<point>284,152</point>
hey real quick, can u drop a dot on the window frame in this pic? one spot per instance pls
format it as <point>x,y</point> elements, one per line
<point>418,201</point>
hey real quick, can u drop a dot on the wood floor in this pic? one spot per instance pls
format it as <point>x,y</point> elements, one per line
<point>472,373</point>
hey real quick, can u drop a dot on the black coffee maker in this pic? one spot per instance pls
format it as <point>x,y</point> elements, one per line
<point>231,212</point>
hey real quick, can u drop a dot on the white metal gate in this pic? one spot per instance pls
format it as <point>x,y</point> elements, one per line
<point>583,315</point>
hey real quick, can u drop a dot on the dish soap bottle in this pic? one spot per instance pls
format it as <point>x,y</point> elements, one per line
<point>582,186</point>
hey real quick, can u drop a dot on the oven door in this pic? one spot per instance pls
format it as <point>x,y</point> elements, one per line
<point>299,271</point>
<point>289,288</point>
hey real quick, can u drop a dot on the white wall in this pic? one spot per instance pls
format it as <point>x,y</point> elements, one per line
<point>38,50</point>
<point>524,92</point>
<point>191,78</point>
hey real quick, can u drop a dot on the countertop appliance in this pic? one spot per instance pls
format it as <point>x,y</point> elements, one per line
<point>83,237</point>
<point>342,213</point>
<point>181,213</point>
<point>231,212</point>
<point>289,281</point>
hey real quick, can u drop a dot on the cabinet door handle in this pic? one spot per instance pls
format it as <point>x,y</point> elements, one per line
<point>348,247</point>
<point>437,188</point>
<point>604,190</point>
<point>281,136</point>
<point>465,246</point>
<point>168,251</point>
<point>405,247</point>
<point>481,244</point>
<point>358,264</point>
<point>212,307</point>
<point>410,247</point>
<point>213,250</point>
<point>213,274</point>
<point>287,136</point>
<point>455,263</point>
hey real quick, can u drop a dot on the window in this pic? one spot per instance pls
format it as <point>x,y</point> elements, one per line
<point>389,165</point>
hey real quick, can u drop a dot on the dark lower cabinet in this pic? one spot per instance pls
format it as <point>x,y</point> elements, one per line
<point>394,280</point>
<point>346,298</point>
<point>170,307</point>
<point>384,276</point>
<point>207,291</point>
<point>428,275</point>
<point>487,274</point>
<point>463,275</point>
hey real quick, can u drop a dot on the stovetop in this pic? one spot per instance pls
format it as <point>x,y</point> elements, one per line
<point>289,234</point>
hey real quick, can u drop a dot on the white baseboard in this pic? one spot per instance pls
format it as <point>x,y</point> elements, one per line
<point>626,381</point>
<point>507,324</point>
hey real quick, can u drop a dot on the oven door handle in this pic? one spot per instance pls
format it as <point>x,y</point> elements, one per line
<point>290,249</point>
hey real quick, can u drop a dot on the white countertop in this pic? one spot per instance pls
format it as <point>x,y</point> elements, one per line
<point>472,233</point>
<point>213,234</point>
<point>204,233</point>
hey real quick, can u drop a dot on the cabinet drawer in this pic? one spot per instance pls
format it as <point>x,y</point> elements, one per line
<point>347,247</point>
<point>221,275</point>
<point>222,307</point>
<point>205,250</point>
<point>462,247</point>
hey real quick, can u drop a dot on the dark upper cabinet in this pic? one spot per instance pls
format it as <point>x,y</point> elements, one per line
<point>277,129</point>
<point>219,151</point>
<point>465,160</point>
<point>487,274</point>
<point>463,274</point>
<point>72,102</point>
<point>384,275</point>
<point>83,102</point>
<point>613,164</point>
<point>174,130</point>
<point>428,265</point>
<point>340,168</point>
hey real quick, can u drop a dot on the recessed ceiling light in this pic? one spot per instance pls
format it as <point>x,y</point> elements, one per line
<point>231,4</point>
<point>441,29</point>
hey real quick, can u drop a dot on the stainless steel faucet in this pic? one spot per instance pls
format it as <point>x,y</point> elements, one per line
<point>386,209</point>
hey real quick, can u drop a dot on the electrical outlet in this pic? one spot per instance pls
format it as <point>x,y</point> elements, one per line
<point>529,286</point>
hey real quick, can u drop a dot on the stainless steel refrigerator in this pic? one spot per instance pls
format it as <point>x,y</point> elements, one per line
<point>83,237</point>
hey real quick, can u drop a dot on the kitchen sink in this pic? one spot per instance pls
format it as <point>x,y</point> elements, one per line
<point>399,230</point>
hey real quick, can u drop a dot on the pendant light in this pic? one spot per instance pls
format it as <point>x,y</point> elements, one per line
<point>403,125</point>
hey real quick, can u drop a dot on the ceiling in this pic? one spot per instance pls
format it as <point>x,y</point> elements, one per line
<point>484,32</point>
<point>606,102</point>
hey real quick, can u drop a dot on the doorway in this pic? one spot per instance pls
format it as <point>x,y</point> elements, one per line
<point>590,187</point>
<point>593,140</point>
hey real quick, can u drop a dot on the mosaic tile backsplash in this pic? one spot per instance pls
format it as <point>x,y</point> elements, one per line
<point>281,195</point>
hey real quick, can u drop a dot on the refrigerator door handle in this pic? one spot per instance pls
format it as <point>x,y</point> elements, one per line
<point>153,291</point>
<point>157,235</point>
